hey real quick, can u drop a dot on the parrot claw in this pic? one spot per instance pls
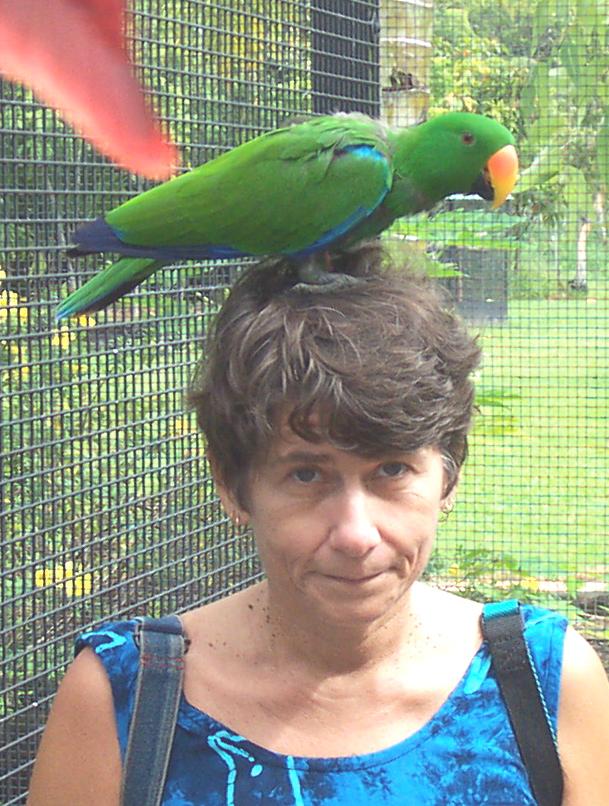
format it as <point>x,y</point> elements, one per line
<point>334,282</point>
<point>315,279</point>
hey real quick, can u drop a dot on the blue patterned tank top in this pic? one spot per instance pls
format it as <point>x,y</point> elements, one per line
<point>465,754</point>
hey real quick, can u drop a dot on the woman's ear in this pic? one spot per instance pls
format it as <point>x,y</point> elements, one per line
<point>228,498</point>
<point>448,500</point>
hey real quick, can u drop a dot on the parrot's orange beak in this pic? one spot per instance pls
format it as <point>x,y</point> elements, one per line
<point>502,170</point>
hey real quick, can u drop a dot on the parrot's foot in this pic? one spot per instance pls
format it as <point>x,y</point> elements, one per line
<point>314,279</point>
<point>335,282</point>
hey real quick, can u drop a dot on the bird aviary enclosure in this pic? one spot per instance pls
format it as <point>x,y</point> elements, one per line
<point>107,507</point>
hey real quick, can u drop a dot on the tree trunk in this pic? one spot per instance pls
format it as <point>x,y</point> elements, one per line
<point>580,281</point>
<point>406,27</point>
<point>599,206</point>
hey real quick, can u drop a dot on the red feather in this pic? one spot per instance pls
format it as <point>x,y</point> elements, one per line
<point>72,54</point>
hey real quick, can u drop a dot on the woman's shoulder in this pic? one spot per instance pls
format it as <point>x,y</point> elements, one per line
<point>114,645</point>
<point>539,619</point>
<point>107,636</point>
<point>455,611</point>
<point>544,632</point>
<point>81,726</point>
<point>447,613</point>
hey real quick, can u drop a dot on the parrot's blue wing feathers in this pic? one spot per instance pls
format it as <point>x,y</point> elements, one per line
<point>98,236</point>
<point>369,154</point>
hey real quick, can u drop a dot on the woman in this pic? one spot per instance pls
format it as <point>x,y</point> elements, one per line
<point>336,427</point>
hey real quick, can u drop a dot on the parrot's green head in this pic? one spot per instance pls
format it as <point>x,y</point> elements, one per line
<point>458,152</point>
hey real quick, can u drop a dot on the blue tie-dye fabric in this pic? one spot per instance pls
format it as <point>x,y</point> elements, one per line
<point>466,754</point>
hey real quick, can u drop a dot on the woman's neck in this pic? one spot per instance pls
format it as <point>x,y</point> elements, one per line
<point>294,637</point>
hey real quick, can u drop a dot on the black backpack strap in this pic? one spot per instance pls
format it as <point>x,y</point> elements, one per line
<point>159,684</point>
<point>502,627</point>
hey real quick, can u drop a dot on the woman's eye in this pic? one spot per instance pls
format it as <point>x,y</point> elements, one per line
<point>392,470</point>
<point>305,475</point>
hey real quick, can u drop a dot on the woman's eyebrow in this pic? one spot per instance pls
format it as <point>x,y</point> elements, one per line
<point>304,457</point>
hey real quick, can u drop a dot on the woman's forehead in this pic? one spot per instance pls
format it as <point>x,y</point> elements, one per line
<point>288,445</point>
<point>315,431</point>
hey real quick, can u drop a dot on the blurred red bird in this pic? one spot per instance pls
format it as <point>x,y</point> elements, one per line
<point>72,54</point>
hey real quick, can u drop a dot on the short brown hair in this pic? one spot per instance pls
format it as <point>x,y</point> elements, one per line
<point>384,362</point>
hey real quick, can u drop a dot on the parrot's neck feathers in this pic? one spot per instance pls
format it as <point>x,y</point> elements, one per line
<point>408,193</point>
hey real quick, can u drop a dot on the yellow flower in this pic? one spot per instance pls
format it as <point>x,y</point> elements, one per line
<point>78,368</point>
<point>63,577</point>
<point>182,426</point>
<point>63,338</point>
<point>15,348</point>
<point>86,321</point>
<point>9,376</point>
<point>530,584</point>
<point>10,307</point>
<point>9,298</point>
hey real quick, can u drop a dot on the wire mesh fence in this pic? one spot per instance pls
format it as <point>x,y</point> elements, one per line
<point>531,518</point>
<point>107,502</point>
<point>108,508</point>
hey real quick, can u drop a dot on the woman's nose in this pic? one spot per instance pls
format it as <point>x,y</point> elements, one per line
<point>353,529</point>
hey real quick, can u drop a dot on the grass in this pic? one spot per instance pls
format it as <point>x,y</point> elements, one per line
<point>535,484</point>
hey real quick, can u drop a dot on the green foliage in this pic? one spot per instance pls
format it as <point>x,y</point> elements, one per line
<point>472,68</point>
<point>487,575</point>
<point>216,74</point>
<point>564,106</point>
<point>102,460</point>
<point>474,229</point>
<point>534,485</point>
<point>496,414</point>
<point>543,69</point>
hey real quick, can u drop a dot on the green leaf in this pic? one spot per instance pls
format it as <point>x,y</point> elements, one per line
<point>495,398</point>
<point>473,229</point>
<point>443,271</point>
<point>547,164</point>
<point>602,150</point>
<point>587,21</point>
<point>569,56</point>
<point>529,99</point>
<point>541,21</point>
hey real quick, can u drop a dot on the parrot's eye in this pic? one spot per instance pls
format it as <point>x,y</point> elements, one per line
<point>468,138</point>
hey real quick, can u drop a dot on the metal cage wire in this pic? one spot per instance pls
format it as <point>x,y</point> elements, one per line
<point>107,505</point>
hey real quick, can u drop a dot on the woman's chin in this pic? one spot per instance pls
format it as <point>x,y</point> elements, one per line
<point>348,601</point>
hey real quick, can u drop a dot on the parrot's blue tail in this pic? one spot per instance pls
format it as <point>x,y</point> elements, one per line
<point>94,236</point>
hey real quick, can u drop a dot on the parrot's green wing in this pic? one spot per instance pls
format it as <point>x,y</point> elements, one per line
<point>279,193</point>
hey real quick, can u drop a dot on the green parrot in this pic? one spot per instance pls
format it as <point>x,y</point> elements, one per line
<point>304,191</point>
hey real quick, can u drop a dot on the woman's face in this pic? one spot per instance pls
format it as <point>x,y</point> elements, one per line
<point>341,535</point>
